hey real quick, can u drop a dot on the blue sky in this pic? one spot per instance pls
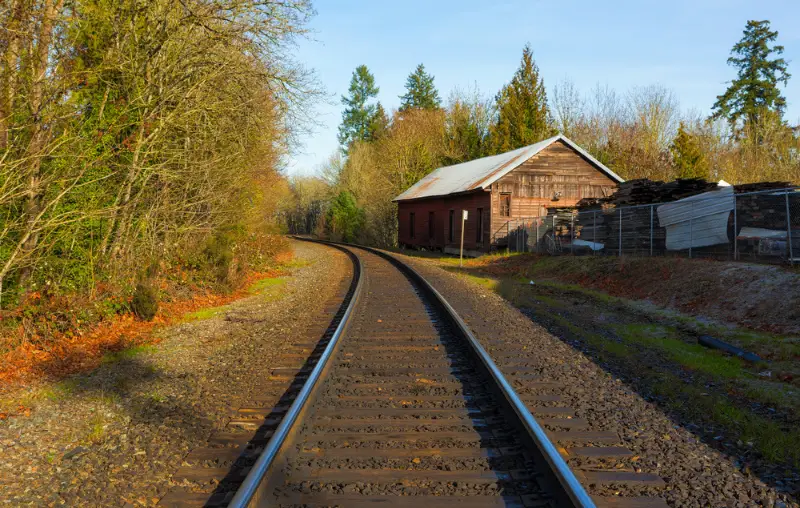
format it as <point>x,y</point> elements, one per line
<point>680,44</point>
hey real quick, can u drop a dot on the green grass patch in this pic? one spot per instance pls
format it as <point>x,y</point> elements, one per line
<point>776,442</point>
<point>616,348</point>
<point>202,314</point>
<point>486,282</point>
<point>296,263</point>
<point>264,284</point>
<point>691,356</point>
<point>60,390</point>
<point>126,354</point>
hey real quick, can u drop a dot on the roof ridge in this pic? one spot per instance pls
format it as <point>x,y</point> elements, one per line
<point>480,173</point>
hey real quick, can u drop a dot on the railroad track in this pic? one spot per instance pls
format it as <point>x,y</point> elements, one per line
<point>399,405</point>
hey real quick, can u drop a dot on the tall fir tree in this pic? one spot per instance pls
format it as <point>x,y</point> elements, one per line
<point>420,93</point>
<point>359,115</point>
<point>688,157</point>
<point>379,124</point>
<point>755,89</point>
<point>523,117</point>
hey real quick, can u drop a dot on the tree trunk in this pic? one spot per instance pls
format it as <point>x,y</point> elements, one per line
<point>38,134</point>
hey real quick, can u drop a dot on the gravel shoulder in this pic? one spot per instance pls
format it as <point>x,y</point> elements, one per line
<point>114,437</point>
<point>695,473</point>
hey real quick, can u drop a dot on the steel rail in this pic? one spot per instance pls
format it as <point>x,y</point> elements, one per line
<point>572,488</point>
<point>246,492</point>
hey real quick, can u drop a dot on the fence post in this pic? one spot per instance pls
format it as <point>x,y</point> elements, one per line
<point>691,229</point>
<point>556,246</point>
<point>789,229</point>
<point>651,230</point>
<point>537,235</point>
<point>508,236</point>
<point>735,231</point>
<point>620,232</point>
<point>572,231</point>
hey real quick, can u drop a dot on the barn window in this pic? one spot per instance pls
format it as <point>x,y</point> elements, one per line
<point>451,229</point>
<point>431,227</point>
<point>479,226</point>
<point>411,221</point>
<point>505,204</point>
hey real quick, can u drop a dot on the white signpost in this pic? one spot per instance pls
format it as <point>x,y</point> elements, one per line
<point>464,214</point>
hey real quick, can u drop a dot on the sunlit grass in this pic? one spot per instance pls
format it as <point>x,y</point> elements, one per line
<point>264,284</point>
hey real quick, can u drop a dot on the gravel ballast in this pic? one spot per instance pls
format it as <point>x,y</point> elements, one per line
<point>115,436</point>
<point>695,474</point>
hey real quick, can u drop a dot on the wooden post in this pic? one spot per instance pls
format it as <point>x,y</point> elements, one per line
<point>463,223</point>
<point>651,230</point>
<point>735,230</point>
<point>789,229</point>
<point>572,233</point>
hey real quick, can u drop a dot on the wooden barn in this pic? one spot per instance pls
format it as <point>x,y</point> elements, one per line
<point>497,191</point>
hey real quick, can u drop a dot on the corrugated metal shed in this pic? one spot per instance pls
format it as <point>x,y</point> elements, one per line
<point>698,221</point>
<point>481,173</point>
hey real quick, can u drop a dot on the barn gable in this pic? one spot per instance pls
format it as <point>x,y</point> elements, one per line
<point>480,174</point>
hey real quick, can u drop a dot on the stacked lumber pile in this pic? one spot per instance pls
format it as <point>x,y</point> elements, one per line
<point>760,186</point>
<point>635,221</point>
<point>636,234</point>
<point>767,210</point>
<point>646,192</point>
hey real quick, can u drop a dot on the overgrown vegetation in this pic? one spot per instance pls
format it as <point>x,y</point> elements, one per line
<point>140,148</point>
<point>641,133</point>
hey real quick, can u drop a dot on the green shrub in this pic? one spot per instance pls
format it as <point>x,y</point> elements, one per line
<point>145,302</point>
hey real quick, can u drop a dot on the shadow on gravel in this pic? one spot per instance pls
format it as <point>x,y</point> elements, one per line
<point>250,453</point>
<point>127,381</point>
<point>703,405</point>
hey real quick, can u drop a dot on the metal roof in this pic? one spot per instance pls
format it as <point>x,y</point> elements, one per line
<point>481,173</point>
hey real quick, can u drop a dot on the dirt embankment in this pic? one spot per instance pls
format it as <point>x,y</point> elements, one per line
<point>758,297</point>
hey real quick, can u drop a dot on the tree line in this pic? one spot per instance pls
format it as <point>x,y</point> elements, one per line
<point>639,134</point>
<point>134,131</point>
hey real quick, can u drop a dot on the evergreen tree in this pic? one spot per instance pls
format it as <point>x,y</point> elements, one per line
<point>420,93</point>
<point>379,124</point>
<point>358,116</point>
<point>688,156</point>
<point>755,90</point>
<point>522,112</point>
<point>344,219</point>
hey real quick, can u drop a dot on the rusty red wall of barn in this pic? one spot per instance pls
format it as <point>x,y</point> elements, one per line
<point>441,208</point>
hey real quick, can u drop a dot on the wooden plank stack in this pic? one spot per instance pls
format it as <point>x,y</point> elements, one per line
<point>646,192</point>
<point>605,227</point>
<point>765,210</point>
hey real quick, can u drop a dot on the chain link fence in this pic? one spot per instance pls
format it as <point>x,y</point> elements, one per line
<point>761,226</point>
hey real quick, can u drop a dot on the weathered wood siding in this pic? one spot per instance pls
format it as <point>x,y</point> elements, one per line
<point>532,185</point>
<point>441,208</point>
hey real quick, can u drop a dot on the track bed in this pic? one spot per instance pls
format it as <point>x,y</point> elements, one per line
<point>405,412</point>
